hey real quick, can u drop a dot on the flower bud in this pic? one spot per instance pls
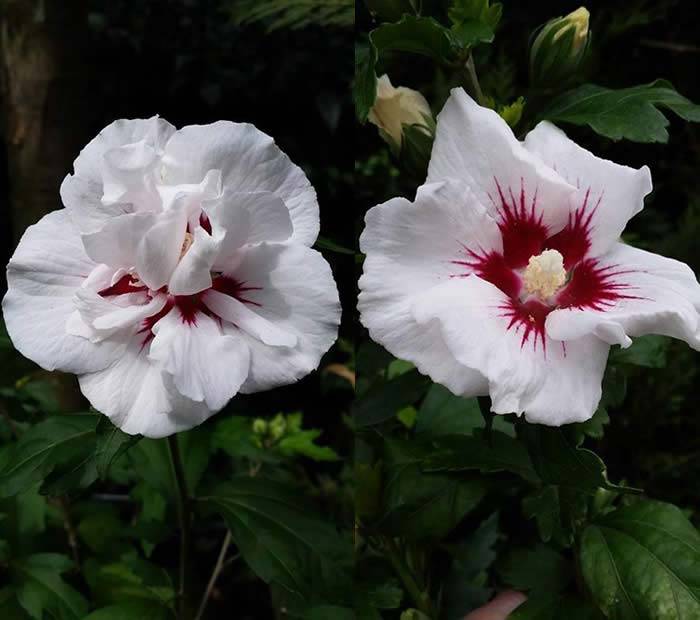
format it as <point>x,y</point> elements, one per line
<point>395,107</point>
<point>260,426</point>
<point>558,49</point>
<point>278,427</point>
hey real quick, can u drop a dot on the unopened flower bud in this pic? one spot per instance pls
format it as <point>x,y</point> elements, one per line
<point>277,427</point>
<point>260,426</point>
<point>558,49</point>
<point>395,107</point>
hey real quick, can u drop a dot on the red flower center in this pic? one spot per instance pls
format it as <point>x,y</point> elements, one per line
<point>589,284</point>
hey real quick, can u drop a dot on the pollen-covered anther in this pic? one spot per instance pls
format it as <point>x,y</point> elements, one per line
<point>544,274</point>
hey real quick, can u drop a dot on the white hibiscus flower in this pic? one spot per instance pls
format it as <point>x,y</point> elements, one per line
<point>178,274</point>
<point>507,275</point>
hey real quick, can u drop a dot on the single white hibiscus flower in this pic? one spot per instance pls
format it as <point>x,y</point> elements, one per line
<point>506,277</point>
<point>178,274</point>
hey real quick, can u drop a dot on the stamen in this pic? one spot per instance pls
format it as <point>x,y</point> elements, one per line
<point>544,274</point>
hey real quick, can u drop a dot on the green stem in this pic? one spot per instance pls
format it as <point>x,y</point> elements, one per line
<point>218,567</point>
<point>183,514</point>
<point>420,597</point>
<point>474,80</point>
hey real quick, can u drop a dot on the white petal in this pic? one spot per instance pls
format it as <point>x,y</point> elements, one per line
<point>116,242</point>
<point>139,397</point>
<point>107,318</point>
<point>129,176</point>
<point>615,192</point>
<point>47,268</point>
<point>82,192</point>
<point>475,145</point>
<point>193,272</point>
<point>410,249</point>
<point>160,247</point>
<point>295,292</point>
<point>249,218</point>
<point>552,385</point>
<point>664,298</point>
<point>250,162</point>
<point>245,318</point>
<point>206,365</point>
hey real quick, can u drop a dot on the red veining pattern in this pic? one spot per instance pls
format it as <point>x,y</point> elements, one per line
<point>186,305</point>
<point>524,234</point>
<point>522,230</point>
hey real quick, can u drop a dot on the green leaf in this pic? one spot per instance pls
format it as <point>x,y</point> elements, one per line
<point>151,459</point>
<point>555,607</point>
<point>646,351</point>
<point>416,35</point>
<point>382,402</point>
<point>132,580</point>
<point>559,460</point>
<point>497,453</point>
<point>279,535</point>
<point>643,562</point>
<point>302,443</point>
<point>539,570</point>
<point>474,21</point>
<point>467,584</point>
<point>61,443</point>
<point>66,452</point>
<point>420,505</point>
<point>142,610</point>
<point>629,113</point>
<point>543,506</point>
<point>40,589</point>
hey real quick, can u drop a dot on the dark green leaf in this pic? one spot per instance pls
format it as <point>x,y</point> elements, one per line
<point>422,505</point>
<point>497,453</point>
<point>558,459</point>
<point>41,590</point>
<point>647,351</point>
<point>279,535</point>
<point>556,607</point>
<point>540,570</point>
<point>416,35</point>
<point>382,402</point>
<point>629,113</point>
<point>643,562</point>
<point>131,611</point>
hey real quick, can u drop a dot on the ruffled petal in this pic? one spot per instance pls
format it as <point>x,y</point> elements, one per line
<point>82,192</point>
<point>250,161</point>
<point>159,250</point>
<point>609,193</point>
<point>551,383</point>
<point>193,273</point>
<point>116,242</point>
<point>292,287</point>
<point>649,294</point>
<point>475,145</point>
<point>47,268</point>
<point>242,316</point>
<point>139,397</point>
<point>249,218</point>
<point>206,366</point>
<point>410,249</point>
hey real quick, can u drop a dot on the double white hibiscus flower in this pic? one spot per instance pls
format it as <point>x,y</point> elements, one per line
<point>179,273</point>
<point>507,277</point>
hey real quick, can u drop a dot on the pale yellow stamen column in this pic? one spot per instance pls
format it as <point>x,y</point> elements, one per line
<point>544,274</point>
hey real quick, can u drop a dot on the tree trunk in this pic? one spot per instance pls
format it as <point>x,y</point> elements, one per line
<point>46,105</point>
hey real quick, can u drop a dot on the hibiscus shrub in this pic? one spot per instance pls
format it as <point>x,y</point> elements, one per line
<point>464,286</point>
